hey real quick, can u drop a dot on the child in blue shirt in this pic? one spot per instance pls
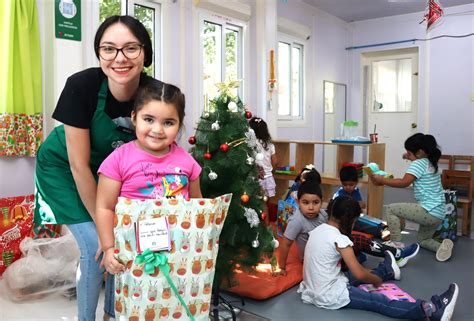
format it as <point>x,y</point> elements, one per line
<point>349,180</point>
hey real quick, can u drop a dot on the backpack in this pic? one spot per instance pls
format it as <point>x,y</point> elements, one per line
<point>449,227</point>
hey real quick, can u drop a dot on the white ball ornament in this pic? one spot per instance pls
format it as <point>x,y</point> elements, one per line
<point>275,243</point>
<point>215,125</point>
<point>255,243</point>
<point>212,175</point>
<point>259,157</point>
<point>232,106</point>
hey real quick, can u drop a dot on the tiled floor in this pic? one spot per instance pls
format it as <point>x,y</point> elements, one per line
<point>49,308</point>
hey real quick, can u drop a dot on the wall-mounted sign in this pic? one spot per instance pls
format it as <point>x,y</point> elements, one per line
<point>68,19</point>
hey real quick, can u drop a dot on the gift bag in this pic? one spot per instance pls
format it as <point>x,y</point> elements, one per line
<point>15,225</point>
<point>286,208</point>
<point>449,227</point>
<point>174,284</point>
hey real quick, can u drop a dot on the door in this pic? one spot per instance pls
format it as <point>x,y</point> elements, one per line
<point>392,102</point>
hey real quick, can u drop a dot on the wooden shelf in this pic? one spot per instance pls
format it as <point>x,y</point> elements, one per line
<point>304,154</point>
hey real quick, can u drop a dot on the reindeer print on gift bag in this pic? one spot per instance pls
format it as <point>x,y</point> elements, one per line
<point>194,226</point>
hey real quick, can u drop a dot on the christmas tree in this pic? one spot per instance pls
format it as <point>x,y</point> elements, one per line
<point>225,147</point>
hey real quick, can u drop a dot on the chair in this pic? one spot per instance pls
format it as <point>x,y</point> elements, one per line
<point>462,162</point>
<point>446,162</point>
<point>463,182</point>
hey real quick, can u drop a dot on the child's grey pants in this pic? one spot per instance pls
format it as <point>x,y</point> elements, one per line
<point>415,213</point>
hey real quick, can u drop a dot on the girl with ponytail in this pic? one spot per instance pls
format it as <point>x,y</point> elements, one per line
<point>429,209</point>
<point>327,287</point>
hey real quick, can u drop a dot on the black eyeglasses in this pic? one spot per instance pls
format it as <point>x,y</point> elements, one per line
<point>131,51</point>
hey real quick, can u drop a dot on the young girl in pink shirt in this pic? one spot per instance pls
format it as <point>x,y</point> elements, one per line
<point>151,166</point>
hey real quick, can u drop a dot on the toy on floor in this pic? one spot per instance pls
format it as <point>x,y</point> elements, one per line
<point>373,168</point>
<point>390,290</point>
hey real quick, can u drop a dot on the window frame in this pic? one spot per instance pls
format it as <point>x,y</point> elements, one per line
<point>157,40</point>
<point>226,22</point>
<point>294,42</point>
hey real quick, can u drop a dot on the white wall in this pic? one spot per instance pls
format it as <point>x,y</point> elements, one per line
<point>326,59</point>
<point>446,74</point>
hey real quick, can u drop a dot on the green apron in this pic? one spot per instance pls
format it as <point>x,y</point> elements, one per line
<point>56,196</point>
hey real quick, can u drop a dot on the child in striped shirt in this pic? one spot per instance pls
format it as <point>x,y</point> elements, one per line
<point>429,209</point>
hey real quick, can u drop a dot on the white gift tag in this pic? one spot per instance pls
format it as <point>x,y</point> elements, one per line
<point>153,234</point>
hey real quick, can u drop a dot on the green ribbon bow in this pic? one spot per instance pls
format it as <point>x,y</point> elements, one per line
<point>155,259</point>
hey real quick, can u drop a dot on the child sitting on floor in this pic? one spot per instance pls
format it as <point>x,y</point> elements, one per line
<point>349,180</point>
<point>326,286</point>
<point>307,216</point>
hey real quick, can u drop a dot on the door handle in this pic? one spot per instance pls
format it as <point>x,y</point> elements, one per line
<point>414,125</point>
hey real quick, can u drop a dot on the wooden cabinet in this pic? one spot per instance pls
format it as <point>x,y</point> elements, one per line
<point>304,154</point>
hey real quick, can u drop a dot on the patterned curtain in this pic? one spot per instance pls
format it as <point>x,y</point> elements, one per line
<point>21,117</point>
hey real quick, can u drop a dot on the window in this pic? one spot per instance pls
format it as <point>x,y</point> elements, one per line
<point>222,55</point>
<point>290,78</point>
<point>146,12</point>
<point>392,83</point>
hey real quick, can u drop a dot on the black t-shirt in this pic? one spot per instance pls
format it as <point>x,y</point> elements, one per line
<point>78,101</point>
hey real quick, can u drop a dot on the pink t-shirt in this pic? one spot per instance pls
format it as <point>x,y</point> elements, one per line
<point>144,175</point>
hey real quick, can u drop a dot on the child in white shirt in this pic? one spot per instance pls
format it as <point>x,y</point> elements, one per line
<point>326,286</point>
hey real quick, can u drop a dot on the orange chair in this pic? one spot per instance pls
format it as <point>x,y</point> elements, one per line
<point>461,181</point>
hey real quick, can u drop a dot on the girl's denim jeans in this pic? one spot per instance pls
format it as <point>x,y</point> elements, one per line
<point>89,275</point>
<point>377,302</point>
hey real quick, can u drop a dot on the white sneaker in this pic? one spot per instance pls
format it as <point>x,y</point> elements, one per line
<point>390,260</point>
<point>445,250</point>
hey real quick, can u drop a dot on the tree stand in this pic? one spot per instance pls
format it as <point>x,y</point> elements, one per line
<point>219,300</point>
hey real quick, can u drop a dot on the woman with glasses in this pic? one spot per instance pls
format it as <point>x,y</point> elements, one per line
<point>94,107</point>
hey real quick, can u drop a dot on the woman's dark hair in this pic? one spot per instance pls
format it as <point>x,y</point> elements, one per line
<point>344,209</point>
<point>260,128</point>
<point>426,143</point>
<point>135,27</point>
<point>310,185</point>
<point>153,89</point>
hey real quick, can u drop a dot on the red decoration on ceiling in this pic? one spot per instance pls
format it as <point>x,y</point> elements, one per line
<point>433,13</point>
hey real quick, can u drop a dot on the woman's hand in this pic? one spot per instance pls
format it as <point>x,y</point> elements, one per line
<point>111,264</point>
